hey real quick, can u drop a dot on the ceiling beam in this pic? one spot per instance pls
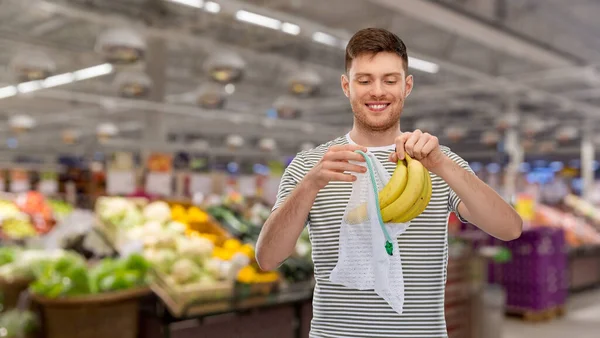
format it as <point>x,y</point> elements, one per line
<point>475,29</point>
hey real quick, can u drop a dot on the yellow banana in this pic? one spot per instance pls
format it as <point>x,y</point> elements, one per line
<point>388,194</point>
<point>395,186</point>
<point>421,203</point>
<point>414,187</point>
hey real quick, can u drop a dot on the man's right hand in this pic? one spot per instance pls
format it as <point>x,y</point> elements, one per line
<point>335,166</point>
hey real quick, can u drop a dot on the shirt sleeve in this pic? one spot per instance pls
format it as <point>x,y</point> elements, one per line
<point>453,199</point>
<point>292,175</point>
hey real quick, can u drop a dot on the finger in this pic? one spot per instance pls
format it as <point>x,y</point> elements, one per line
<point>335,176</point>
<point>393,157</point>
<point>418,150</point>
<point>410,144</point>
<point>345,155</point>
<point>431,145</point>
<point>344,166</point>
<point>400,141</point>
<point>348,147</point>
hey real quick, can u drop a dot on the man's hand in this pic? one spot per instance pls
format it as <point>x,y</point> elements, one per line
<point>334,164</point>
<point>420,146</point>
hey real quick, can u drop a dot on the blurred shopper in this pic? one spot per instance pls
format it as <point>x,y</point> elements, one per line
<point>377,83</point>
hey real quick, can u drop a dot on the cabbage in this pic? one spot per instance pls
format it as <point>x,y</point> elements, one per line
<point>185,271</point>
<point>196,248</point>
<point>157,211</point>
<point>161,259</point>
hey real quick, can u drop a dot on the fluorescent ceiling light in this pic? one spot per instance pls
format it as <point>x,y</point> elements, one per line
<point>290,28</point>
<point>258,19</point>
<point>91,72</point>
<point>212,7</point>
<point>30,86</point>
<point>58,80</point>
<point>191,3</point>
<point>8,92</point>
<point>422,65</point>
<point>325,38</point>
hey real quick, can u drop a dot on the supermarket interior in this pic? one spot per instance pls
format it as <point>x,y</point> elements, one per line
<point>145,143</point>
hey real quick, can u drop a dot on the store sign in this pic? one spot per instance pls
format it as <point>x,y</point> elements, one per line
<point>160,174</point>
<point>48,184</point>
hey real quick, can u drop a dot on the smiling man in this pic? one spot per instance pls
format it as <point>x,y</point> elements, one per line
<point>316,187</point>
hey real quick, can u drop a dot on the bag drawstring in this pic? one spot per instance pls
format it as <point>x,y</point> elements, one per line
<point>389,248</point>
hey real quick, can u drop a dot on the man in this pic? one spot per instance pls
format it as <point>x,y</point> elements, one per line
<point>316,186</point>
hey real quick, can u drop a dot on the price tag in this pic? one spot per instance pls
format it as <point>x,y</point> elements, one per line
<point>19,186</point>
<point>120,182</point>
<point>200,183</point>
<point>159,184</point>
<point>247,186</point>
<point>48,187</point>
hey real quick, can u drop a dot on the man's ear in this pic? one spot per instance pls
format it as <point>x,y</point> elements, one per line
<point>345,85</point>
<point>409,85</point>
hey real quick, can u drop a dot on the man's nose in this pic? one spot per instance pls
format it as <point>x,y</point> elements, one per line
<point>377,89</point>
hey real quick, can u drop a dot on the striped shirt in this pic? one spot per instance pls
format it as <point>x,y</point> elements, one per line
<point>339,311</point>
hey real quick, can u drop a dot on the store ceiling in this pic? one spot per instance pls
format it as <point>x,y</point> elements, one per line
<point>542,53</point>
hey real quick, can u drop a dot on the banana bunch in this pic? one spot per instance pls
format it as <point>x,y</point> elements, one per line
<point>403,198</point>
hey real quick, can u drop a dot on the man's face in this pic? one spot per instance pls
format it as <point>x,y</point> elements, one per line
<point>377,86</point>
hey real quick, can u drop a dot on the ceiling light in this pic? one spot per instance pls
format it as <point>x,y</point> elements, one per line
<point>58,80</point>
<point>30,86</point>
<point>8,92</point>
<point>422,65</point>
<point>91,72</point>
<point>230,88</point>
<point>212,7</point>
<point>290,28</point>
<point>325,39</point>
<point>191,3</point>
<point>258,19</point>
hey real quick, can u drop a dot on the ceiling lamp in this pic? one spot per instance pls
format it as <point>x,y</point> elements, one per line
<point>70,136</point>
<point>566,134</point>
<point>426,125</point>
<point>106,131</point>
<point>507,121</point>
<point>32,66</point>
<point>532,126</point>
<point>21,123</point>
<point>267,144</point>
<point>287,108</point>
<point>121,45</point>
<point>225,67</point>
<point>490,138</point>
<point>234,142</point>
<point>547,146</point>
<point>211,96</point>
<point>305,83</point>
<point>527,144</point>
<point>455,133</point>
<point>133,84</point>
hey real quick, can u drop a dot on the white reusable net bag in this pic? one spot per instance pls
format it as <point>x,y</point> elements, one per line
<point>369,258</point>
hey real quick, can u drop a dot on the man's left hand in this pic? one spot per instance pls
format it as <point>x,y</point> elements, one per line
<point>420,146</point>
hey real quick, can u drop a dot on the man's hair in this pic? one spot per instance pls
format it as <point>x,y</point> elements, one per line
<point>373,41</point>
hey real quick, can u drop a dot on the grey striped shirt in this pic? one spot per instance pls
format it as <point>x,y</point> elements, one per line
<point>342,312</point>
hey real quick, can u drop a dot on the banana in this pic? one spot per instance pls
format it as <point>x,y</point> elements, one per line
<point>414,188</point>
<point>388,194</point>
<point>421,203</point>
<point>395,186</point>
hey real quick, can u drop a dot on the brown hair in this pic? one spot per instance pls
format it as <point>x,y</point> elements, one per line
<point>373,41</point>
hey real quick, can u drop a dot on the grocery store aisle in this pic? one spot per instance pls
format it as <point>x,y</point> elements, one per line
<point>582,320</point>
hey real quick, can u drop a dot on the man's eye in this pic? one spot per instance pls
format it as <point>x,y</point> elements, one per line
<point>363,82</point>
<point>391,82</point>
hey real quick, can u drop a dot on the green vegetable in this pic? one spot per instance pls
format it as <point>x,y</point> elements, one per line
<point>7,255</point>
<point>18,323</point>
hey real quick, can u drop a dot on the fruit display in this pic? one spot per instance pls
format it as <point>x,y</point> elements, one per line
<point>404,197</point>
<point>30,214</point>
<point>234,223</point>
<point>577,231</point>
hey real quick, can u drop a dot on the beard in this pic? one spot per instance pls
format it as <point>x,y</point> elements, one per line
<point>368,121</point>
